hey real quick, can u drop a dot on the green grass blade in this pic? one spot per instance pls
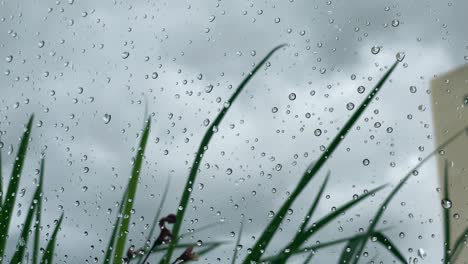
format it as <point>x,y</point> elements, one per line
<point>458,246</point>
<point>309,258</point>
<point>302,237</point>
<point>200,153</point>
<point>348,251</point>
<point>382,239</point>
<point>24,237</point>
<point>314,205</point>
<point>11,194</point>
<point>155,220</point>
<point>48,256</point>
<point>384,205</point>
<point>239,235</point>
<point>446,216</point>
<point>1,181</point>
<point>267,235</point>
<point>37,225</point>
<point>132,188</point>
<point>317,246</point>
<point>110,245</point>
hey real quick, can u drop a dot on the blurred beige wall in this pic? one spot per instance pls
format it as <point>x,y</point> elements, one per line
<point>450,114</point>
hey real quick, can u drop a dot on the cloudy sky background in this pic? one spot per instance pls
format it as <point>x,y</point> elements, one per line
<point>190,45</point>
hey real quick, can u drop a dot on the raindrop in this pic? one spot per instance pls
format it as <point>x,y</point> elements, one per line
<point>446,203</point>
<point>125,54</point>
<point>318,132</point>
<point>292,96</point>
<point>375,50</point>
<point>9,58</point>
<point>400,56</point>
<point>350,106</point>
<point>366,162</point>
<point>107,118</point>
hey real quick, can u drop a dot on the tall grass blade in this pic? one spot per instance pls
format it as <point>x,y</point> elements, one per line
<point>1,181</point>
<point>110,245</point>
<point>458,246</point>
<point>239,235</point>
<point>37,225</point>
<point>316,247</point>
<point>348,251</point>
<point>24,237</point>
<point>446,215</point>
<point>311,211</point>
<point>132,188</point>
<point>265,238</point>
<point>382,239</point>
<point>11,194</point>
<point>384,205</point>
<point>200,153</point>
<point>48,256</point>
<point>155,220</point>
<point>302,237</point>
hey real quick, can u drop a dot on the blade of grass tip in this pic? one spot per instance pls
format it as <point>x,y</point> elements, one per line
<point>24,237</point>
<point>1,180</point>
<point>262,243</point>
<point>387,243</point>
<point>155,220</point>
<point>311,211</point>
<point>302,237</point>
<point>446,215</point>
<point>239,235</point>
<point>309,214</point>
<point>309,258</point>
<point>384,205</point>
<point>200,153</point>
<point>37,225</point>
<point>12,190</point>
<point>49,252</point>
<point>459,244</point>
<point>316,247</point>
<point>348,251</point>
<point>132,188</point>
<point>110,245</point>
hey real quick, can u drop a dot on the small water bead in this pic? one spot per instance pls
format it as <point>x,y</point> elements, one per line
<point>9,58</point>
<point>366,162</point>
<point>400,56</point>
<point>271,214</point>
<point>41,44</point>
<point>361,89</point>
<point>413,89</point>
<point>395,22</point>
<point>292,96</point>
<point>317,132</point>
<point>125,54</point>
<point>107,118</point>
<point>277,20</point>
<point>154,75</point>
<point>446,203</point>
<point>229,171</point>
<point>375,50</point>
<point>350,106</point>
<point>274,109</point>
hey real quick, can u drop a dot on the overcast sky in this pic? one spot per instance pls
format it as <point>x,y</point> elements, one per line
<point>72,63</point>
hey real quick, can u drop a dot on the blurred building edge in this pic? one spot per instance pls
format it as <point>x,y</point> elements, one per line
<point>450,114</point>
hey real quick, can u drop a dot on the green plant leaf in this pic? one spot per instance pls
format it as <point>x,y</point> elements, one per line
<point>303,236</point>
<point>200,153</point>
<point>316,247</point>
<point>110,245</point>
<point>155,220</point>
<point>11,194</point>
<point>37,225</point>
<point>24,237</point>
<point>382,239</point>
<point>378,215</point>
<point>446,216</point>
<point>132,188</point>
<point>262,243</point>
<point>1,181</point>
<point>348,251</point>
<point>239,235</point>
<point>458,246</point>
<point>49,252</point>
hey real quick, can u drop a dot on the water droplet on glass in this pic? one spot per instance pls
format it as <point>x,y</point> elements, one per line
<point>292,96</point>
<point>125,54</point>
<point>375,50</point>
<point>366,162</point>
<point>400,56</point>
<point>350,106</point>
<point>9,58</point>
<point>446,203</point>
<point>107,118</point>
